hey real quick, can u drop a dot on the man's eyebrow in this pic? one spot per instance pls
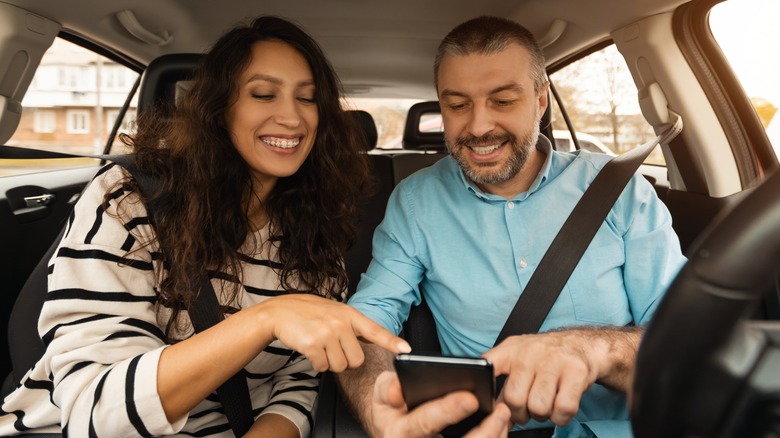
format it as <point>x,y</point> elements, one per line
<point>451,93</point>
<point>508,87</point>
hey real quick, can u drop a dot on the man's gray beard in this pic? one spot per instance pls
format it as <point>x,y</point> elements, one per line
<point>520,151</point>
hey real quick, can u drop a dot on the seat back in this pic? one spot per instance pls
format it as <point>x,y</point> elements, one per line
<point>24,343</point>
<point>372,210</point>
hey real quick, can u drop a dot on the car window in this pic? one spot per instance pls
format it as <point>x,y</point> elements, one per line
<point>72,105</point>
<point>746,32</point>
<point>600,98</point>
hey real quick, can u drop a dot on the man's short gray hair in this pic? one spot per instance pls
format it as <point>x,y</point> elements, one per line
<point>487,35</point>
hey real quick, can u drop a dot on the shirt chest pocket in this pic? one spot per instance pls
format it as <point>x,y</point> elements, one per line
<point>596,288</point>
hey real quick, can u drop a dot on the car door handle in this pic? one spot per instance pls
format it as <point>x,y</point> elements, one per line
<point>39,201</point>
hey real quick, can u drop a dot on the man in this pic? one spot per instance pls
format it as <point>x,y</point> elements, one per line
<point>470,230</point>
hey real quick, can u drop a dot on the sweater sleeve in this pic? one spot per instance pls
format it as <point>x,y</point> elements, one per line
<point>99,322</point>
<point>293,393</point>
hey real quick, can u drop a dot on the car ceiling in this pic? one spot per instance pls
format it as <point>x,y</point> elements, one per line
<point>379,48</point>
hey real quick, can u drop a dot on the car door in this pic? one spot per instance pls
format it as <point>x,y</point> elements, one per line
<point>77,101</point>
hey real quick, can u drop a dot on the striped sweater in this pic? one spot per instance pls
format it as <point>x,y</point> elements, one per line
<point>104,335</point>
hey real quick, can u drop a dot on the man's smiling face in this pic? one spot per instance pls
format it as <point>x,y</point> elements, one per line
<point>491,112</point>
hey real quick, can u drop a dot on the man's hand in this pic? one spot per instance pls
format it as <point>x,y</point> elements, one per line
<point>549,372</point>
<point>392,419</point>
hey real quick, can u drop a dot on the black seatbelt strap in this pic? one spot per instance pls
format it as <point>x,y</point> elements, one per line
<point>575,235</point>
<point>234,393</point>
<point>204,312</point>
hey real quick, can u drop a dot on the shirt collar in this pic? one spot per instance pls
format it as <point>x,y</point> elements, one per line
<point>542,145</point>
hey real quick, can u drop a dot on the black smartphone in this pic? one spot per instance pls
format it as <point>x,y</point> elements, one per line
<point>425,378</point>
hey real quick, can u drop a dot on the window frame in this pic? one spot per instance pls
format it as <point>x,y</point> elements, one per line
<point>753,152</point>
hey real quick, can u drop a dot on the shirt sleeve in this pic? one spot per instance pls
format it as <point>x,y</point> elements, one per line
<point>99,321</point>
<point>294,391</point>
<point>653,254</point>
<point>390,286</point>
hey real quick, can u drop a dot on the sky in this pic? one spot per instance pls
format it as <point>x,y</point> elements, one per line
<point>748,32</point>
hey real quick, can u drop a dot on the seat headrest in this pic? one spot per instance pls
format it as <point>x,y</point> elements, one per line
<point>368,126</point>
<point>415,139</point>
<point>165,77</point>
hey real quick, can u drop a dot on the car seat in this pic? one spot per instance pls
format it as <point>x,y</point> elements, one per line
<point>372,210</point>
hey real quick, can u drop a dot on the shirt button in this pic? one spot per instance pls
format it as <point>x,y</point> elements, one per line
<point>523,264</point>
<point>510,205</point>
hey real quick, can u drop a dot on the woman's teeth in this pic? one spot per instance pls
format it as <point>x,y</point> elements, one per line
<point>283,143</point>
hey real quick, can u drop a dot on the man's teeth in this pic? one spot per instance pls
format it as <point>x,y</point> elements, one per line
<point>483,150</point>
<point>283,143</point>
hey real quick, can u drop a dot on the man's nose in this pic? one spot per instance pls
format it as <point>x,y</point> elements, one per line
<point>481,121</point>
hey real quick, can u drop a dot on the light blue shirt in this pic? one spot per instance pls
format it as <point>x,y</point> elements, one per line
<point>473,253</point>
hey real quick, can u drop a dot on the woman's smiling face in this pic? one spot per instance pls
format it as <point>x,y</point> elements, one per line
<point>273,122</point>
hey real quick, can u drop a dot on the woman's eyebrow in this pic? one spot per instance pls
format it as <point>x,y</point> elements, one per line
<point>266,78</point>
<point>276,81</point>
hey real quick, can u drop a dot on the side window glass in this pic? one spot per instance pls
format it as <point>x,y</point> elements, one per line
<point>601,100</point>
<point>72,105</point>
<point>746,32</point>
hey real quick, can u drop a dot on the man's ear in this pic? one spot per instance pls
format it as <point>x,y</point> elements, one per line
<point>543,100</point>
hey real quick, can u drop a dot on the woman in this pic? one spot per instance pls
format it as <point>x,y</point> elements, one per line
<point>259,175</point>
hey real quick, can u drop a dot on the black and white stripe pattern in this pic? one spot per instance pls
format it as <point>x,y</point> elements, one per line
<point>104,336</point>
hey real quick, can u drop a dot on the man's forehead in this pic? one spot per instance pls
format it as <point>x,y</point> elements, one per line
<point>508,69</point>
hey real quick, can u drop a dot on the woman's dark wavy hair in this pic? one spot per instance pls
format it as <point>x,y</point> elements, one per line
<point>200,211</point>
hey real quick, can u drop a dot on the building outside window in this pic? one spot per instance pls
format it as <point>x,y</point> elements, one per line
<point>45,121</point>
<point>78,121</point>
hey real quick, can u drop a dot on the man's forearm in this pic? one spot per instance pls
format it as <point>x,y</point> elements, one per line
<point>617,346</point>
<point>357,384</point>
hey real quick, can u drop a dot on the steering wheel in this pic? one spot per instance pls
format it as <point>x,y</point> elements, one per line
<point>702,369</point>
